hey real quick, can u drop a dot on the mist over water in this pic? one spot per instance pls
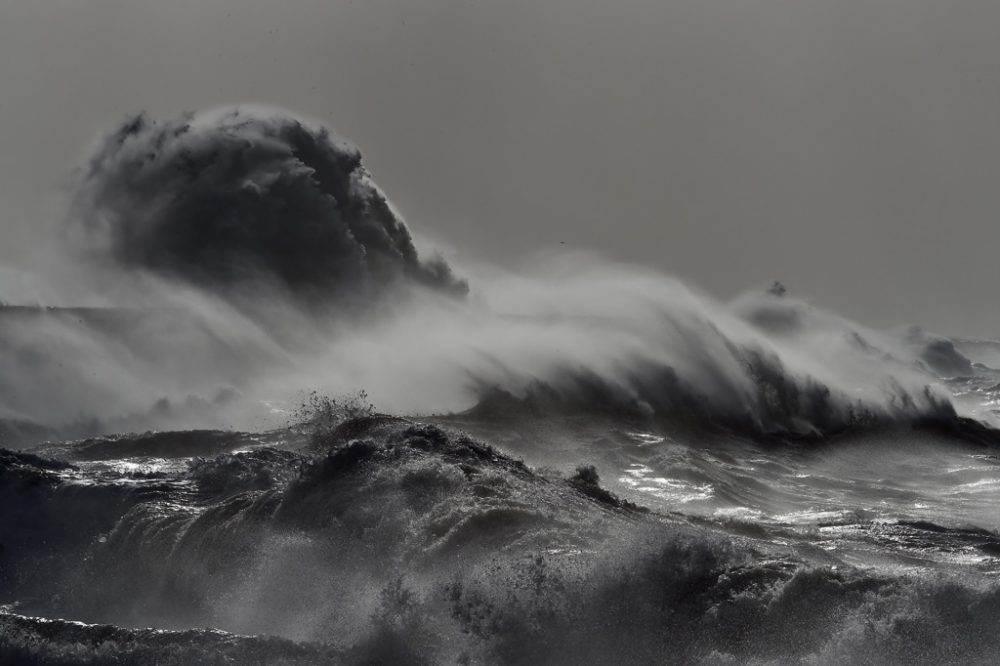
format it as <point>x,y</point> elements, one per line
<point>257,248</point>
<point>578,462</point>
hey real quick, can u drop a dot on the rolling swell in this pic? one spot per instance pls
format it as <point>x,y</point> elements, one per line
<point>250,255</point>
<point>408,543</point>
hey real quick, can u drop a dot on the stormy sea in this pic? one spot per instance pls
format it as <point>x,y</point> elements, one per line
<point>248,417</point>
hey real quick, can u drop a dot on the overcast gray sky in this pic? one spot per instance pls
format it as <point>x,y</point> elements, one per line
<point>847,147</point>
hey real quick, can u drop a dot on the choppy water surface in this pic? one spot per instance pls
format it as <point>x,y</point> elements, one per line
<point>515,540</point>
<point>586,463</point>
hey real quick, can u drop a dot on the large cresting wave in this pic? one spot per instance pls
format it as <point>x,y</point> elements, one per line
<point>253,250</point>
<point>576,462</point>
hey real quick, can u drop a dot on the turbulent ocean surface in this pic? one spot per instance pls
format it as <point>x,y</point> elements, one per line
<point>577,463</point>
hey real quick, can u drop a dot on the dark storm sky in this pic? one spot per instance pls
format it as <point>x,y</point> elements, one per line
<point>849,148</point>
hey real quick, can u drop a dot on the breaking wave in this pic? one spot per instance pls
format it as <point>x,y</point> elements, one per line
<point>239,253</point>
<point>580,462</point>
<point>409,543</point>
<point>233,197</point>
